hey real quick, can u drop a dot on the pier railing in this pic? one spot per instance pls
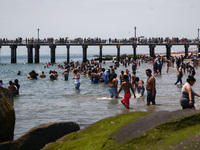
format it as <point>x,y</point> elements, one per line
<point>32,44</point>
<point>80,41</point>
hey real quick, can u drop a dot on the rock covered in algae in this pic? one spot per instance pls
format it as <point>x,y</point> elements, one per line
<point>7,115</point>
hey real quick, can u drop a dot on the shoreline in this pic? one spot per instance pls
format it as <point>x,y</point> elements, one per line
<point>157,54</point>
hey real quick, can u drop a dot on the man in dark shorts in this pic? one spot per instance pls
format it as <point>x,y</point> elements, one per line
<point>150,87</point>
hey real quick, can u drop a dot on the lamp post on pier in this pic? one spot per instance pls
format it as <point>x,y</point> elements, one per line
<point>135,32</point>
<point>198,33</point>
<point>38,34</point>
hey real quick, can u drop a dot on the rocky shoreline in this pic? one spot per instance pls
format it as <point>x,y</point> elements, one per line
<point>122,131</point>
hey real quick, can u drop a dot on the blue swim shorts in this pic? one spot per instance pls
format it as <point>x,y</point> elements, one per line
<point>141,89</point>
<point>77,85</point>
<point>112,91</point>
<point>106,82</point>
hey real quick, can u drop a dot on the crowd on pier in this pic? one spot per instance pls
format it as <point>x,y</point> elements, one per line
<point>96,40</point>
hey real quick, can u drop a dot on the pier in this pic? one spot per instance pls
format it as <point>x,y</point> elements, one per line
<point>151,43</point>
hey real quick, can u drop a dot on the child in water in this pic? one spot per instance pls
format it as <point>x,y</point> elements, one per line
<point>140,86</point>
<point>76,78</point>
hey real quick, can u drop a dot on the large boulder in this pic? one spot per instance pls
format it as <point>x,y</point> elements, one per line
<point>7,115</point>
<point>38,137</point>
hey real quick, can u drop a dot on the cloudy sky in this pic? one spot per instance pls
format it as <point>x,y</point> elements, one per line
<point>99,18</point>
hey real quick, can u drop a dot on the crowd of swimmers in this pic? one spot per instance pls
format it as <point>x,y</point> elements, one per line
<point>129,82</point>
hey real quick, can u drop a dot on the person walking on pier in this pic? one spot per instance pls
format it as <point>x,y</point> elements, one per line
<point>150,87</point>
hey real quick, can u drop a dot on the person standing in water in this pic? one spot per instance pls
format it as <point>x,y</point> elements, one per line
<point>77,79</point>
<point>150,87</point>
<point>1,82</point>
<point>133,79</point>
<point>187,96</point>
<point>179,77</point>
<point>126,86</point>
<point>167,66</point>
<point>66,72</point>
<point>17,85</point>
<point>106,76</point>
<point>42,75</point>
<point>53,76</point>
<point>19,73</point>
<point>101,75</point>
<point>121,77</point>
<point>12,88</point>
<point>140,86</point>
<point>112,85</point>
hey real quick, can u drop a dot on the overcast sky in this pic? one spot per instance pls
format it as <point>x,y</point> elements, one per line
<point>99,18</point>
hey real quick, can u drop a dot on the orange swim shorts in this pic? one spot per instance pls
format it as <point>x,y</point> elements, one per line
<point>126,98</point>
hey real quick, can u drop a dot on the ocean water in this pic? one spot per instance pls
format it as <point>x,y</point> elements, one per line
<point>43,101</point>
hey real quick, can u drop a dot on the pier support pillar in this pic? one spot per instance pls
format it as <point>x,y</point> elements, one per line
<point>118,52</point>
<point>198,46</point>
<point>13,53</point>
<point>186,50</point>
<point>134,51</point>
<point>68,47</point>
<point>100,53</point>
<point>37,53</point>
<point>168,51</point>
<point>30,53</point>
<point>85,53</point>
<point>152,50</point>
<point>53,53</point>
